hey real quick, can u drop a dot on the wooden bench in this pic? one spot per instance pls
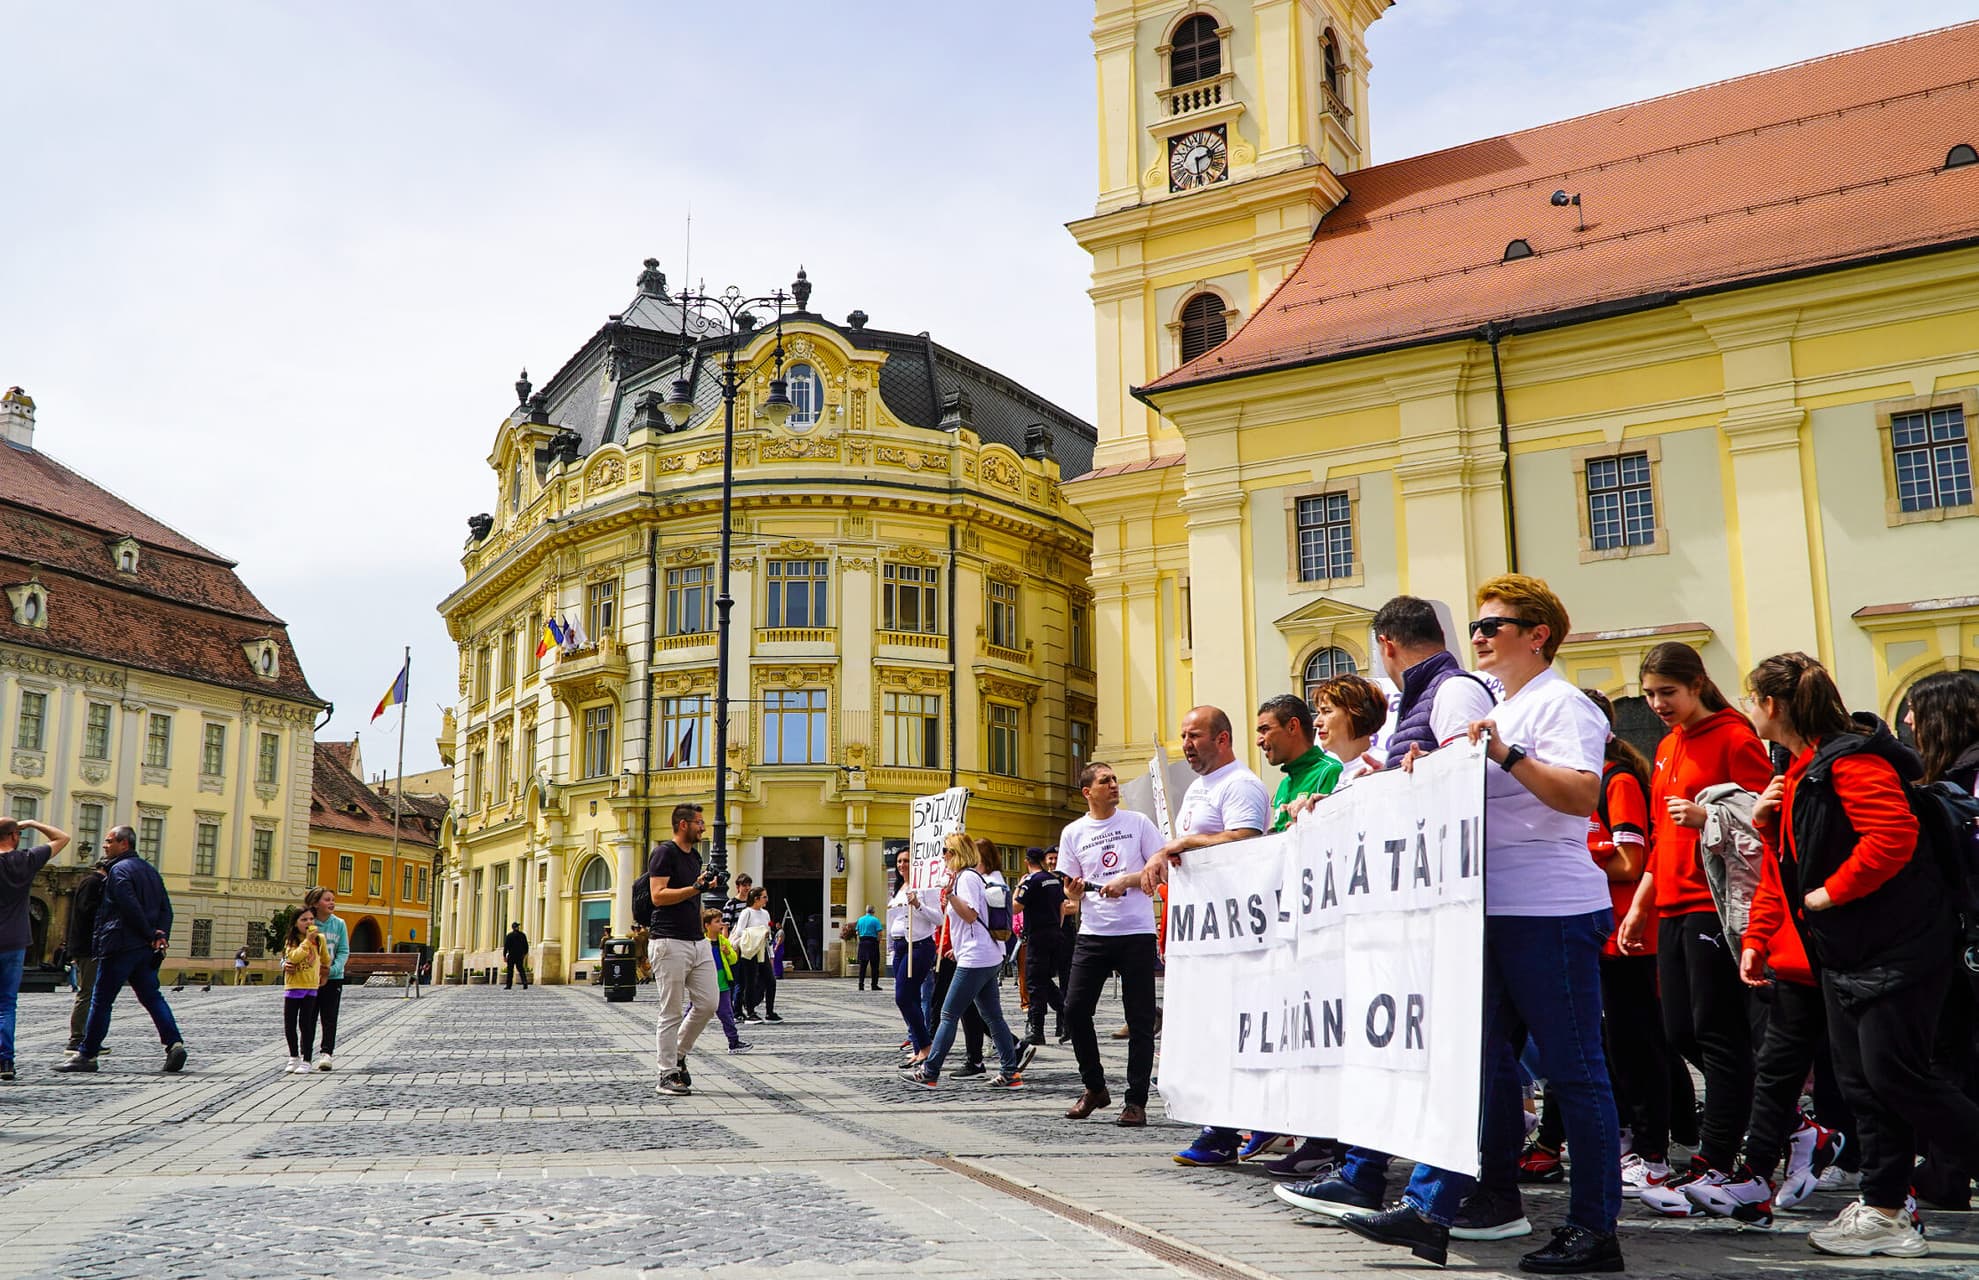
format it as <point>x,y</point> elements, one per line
<point>397,968</point>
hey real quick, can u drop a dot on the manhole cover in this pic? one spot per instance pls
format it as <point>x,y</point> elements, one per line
<point>491,1221</point>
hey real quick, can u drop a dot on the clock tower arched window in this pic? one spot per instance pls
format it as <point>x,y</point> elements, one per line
<point>1203,325</point>
<point>1329,52</point>
<point>1197,53</point>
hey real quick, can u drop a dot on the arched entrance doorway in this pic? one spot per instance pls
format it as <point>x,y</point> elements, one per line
<point>594,919</point>
<point>367,936</point>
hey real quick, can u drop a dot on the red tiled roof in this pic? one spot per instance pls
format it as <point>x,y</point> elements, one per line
<point>1128,468</point>
<point>1816,165</point>
<point>338,751</point>
<point>40,484</point>
<point>339,801</point>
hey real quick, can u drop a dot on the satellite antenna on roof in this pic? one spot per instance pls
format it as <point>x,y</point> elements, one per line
<point>1561,199</point>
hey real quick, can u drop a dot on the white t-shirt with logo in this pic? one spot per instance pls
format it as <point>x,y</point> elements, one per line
<point>1227,799</point>
<point>1098,849</point>
<point>1535,857</point>
<point>974,945</point>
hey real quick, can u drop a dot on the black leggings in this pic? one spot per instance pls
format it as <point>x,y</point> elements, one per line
<point>1795,1025</point>
<point>329,1001</point>
<point>1705,1020</point>
<point>299,1024</point>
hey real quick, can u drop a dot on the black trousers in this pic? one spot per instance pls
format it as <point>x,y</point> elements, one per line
<point>1705,1020</point>
<point>299,1024</point>
<point>1796,1024</point>
<point>1882,1053</point>
<point>1045,954</point>
<point>1941,1178</point>
<point>1639,1058</point>
<point>869,962</point>
<point>973,1029</point>
<point>512,967</point>
<point>1094,959</point>
<point>329,1003</point>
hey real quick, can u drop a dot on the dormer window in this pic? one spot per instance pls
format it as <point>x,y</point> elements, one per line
<point>1196,53</point>
<point>123,554</point>
<point>30,604</point>
<point>264,657</point>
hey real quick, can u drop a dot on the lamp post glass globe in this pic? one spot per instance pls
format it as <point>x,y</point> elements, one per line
<point>679,406</point>
<point>777,407</point>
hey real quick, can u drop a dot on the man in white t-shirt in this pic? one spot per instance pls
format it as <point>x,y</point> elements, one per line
<point>1226,802</point>
<point>1104,854</point>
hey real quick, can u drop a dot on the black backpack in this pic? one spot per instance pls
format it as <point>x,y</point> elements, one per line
<point>1948,829</point>
<point>642,902</point>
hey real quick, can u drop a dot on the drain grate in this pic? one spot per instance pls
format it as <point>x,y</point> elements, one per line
<point>1175,1254</point>
<point>469,1220</point>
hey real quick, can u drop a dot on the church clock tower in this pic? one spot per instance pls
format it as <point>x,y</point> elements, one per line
<point>1222,131</point>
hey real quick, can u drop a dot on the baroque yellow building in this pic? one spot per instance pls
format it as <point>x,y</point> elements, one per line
<point>1707,363</point>
<point>142,684</point>
<point>910,613</point>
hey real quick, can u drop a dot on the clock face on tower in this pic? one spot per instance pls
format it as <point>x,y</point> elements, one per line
<point>1198,158</point>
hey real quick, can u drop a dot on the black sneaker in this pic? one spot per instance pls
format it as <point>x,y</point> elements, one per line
<point>972,1069</point>
<point>1490,1215</point>
<point>1574,1251</point>
<point>1402,1226</point>
<point>672,1083</point>
<point>6,1068</point>
<point>1024,1055</point>
<point>75,1062</point>
<point>773,1018</point>
<point>175,1056</point>
<point>680,1069</point>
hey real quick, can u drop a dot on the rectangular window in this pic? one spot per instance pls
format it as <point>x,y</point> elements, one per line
<point>213,750</point>
<point>504,759</point>
<point>598,761</point>
<point>1080,743</point>
<point>25,808</point>
<point>313,864</point>
<point>795,726</point>
<point>508,661</point>
<point>1003,730</point>
<point>158,741</point>
<point>206,849</point>
<point>601,609</point>
<point>268,765</point>
<point>346,869</point>
<point>151,839</point>
<point>1325,524</point>
<point>481,669</point>
<point>422,884</point>
<point>405,883</point>
<point>531,639</point>
<point>476,766</point>
<point>685,728</point>
<point>377,880</point>
<point>256,941</point>
<point>797,591</point>
<point>202,939</point>
<point>1933,458</point>
<point>263,863</point>
<point>474,914</point>
<point>31,729</point>
<point>1082,635</point>
<point>96,732</point>
<point>690,600</point>
<point>907,598</point>
<point>1003,614</point>
<point>1621,505</point>
<point>89,831</point>
<point>529,752</point>
<point>910,730</point>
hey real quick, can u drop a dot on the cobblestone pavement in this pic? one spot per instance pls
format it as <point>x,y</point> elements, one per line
<point>481,1132</point>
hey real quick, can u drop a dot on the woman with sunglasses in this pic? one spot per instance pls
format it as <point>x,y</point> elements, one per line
<point>1704,1003</point>
<point>1547,914</point>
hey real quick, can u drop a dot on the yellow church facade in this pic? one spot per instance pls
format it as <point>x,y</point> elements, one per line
<point>1711,374</point>
<point>910,613</point>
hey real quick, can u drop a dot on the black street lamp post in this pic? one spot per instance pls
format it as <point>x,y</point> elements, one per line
<point>736,313</point>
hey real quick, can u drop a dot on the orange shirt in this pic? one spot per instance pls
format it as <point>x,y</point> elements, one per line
<point>1719,748</point>
<point>1628,823</point>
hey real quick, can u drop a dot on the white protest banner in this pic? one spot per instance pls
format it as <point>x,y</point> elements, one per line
<point>1347,1001</point>
<point>936,817</point>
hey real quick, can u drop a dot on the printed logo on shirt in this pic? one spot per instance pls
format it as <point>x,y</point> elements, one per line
<point>1110,859</point>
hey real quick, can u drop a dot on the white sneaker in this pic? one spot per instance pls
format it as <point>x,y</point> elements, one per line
<point>1742,1199</point>
<point>291,1068</point>
<point>1811,1151</point>
<point>1837,1178</point>
<point>301,1067</point>
<point>1861,1232</point>
<point>323,1062</point>
<point>1676,1198</point>
<point>1639,1175</point>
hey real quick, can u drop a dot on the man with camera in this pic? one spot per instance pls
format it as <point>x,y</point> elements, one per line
<point>683,963</point>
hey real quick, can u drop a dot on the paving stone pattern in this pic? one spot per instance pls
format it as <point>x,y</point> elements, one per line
<point>483,1132</point>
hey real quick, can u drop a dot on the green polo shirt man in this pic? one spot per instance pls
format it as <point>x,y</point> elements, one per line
<point>1285,736</point>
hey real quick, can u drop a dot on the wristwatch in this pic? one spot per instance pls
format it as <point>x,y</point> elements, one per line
<point>1512,757</point>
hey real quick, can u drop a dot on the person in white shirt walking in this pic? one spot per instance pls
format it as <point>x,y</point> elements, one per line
<point>1226,802</point>
<point>978,961</point>
<point>1105,853</point>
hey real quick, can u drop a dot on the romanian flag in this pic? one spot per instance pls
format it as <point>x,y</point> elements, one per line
<point>552,637</point>
<point>683,751</point>
<point>394,696</point>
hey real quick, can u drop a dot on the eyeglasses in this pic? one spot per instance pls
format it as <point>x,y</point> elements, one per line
<point>1489,627</point>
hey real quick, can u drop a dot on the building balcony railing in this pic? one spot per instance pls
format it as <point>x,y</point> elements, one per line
<point>1199,95</point>
<point>912,640</point>
<point>687,640</point>
<point>797,635</point>
<point>1003,653</point>
<point>603,659</point>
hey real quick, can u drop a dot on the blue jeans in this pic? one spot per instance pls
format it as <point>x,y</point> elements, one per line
<point>913,993</point>
<point>112,972</point>
<point>1542,976</point>
<point>978,987</point>
<point>12,961</point>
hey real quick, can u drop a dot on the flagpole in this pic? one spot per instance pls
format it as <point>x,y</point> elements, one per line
<point>398,789</point>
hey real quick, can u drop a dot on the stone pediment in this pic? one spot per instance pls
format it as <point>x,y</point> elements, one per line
<point>1323,614</point>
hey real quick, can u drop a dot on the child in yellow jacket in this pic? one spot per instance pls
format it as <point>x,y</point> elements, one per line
<point>305,961</point>
<point>716,928</point>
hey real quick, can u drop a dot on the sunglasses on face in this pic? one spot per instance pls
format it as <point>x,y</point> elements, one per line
<point>1489,627</point>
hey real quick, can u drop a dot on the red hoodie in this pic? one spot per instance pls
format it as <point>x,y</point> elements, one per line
<point>1769,932</point>
<point>1719,748</point>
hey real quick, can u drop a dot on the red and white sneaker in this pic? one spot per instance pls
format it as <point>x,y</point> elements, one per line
<point>1677,1198</point>
<point>1540,1165</point>
<point>1810,1151</point>
<point>1743,1197</point>
<point>1639,1175</point>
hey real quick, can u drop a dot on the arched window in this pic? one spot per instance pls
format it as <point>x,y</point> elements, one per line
<point>1203,325</point>
<point>594,913</point>
<point>1638,726</point>
<point>1324,665</point>
<point>807,393</point>
<point>1197,53</point>
<point>1329,53</point>
<point>597,877</point>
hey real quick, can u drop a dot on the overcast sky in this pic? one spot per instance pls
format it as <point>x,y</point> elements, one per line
<point>270,270</point>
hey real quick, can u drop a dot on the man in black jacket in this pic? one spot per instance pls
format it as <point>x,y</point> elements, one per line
<point>1041,897</point>
<point>515,957</point>
<point>132,928</point>
<point>83,910</point>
